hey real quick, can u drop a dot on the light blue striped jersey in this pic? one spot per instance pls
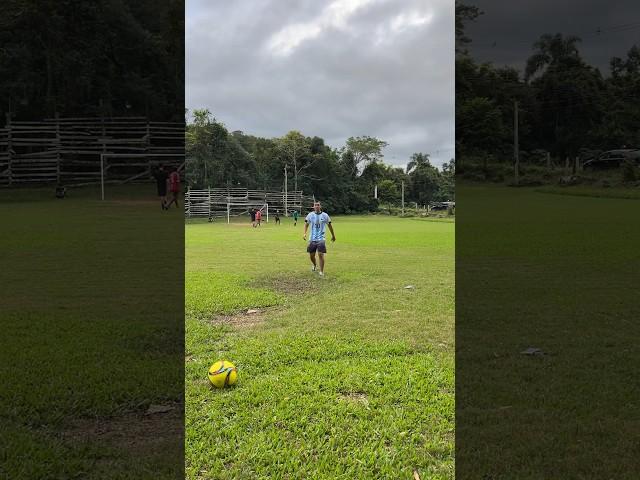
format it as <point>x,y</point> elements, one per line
<point>318,222</point>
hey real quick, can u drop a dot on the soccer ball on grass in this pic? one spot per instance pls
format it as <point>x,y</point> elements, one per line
<point>223,373</point>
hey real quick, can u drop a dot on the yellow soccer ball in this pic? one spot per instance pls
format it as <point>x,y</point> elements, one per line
<point>222,374</point>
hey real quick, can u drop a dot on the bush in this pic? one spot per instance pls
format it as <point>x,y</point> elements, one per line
<point>569,180</point>
<point>629,171</point>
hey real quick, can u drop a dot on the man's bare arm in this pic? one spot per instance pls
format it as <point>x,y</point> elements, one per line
<point>306,227</point>
<point>333,235</point>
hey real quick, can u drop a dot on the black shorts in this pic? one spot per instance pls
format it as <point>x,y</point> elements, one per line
<point>320,247</point>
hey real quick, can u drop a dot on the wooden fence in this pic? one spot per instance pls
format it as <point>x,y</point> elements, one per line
<point>67,151</point>
<point>225,203</point>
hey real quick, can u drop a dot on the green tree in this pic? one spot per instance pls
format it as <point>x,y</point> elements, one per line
<point>464,14</point>
<point>219,158</point>
<point>447,190</point>
<point>388,191</point>
<point>418,160</point>
<point>553,52</point>
<point>105,57</point>
<point>424,184</point>
<point>365,150</point>
<point>568,92</point>
<point>479,123</point>
<point>295,148</point>
<point>621,117</point>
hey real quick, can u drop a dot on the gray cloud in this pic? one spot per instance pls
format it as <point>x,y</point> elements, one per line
<point>334,69</point>
<point>507,30</point>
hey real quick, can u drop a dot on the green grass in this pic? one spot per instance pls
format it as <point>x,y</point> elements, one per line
<point>557,273</point>
<point>632,193</point>
<point>92,328</point>
<point>346,377</point>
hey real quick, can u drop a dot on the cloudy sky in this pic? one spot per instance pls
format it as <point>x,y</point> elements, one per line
<point>507,30</point>
<point>334,68</point>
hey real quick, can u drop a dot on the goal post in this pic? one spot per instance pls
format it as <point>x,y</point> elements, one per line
<point>143,160</point>
<point>245,207</point>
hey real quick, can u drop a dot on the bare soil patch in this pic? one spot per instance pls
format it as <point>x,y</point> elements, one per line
<point>290,285</point>
<point>355,397</point>
<point>147,430</point>
<point>249,318</point>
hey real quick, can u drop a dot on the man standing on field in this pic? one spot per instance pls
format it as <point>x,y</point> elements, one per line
<point>318,221</point>
<point>161,176</point>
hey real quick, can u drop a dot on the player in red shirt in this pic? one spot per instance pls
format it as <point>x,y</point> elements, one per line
<point>258,217</point>
<point>174,186</point>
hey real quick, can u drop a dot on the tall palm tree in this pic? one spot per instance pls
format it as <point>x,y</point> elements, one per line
<point>552,51</point>
<point>418,160</point>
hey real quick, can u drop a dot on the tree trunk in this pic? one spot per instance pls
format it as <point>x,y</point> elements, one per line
<point>49,102</point>
<point>295,169</point>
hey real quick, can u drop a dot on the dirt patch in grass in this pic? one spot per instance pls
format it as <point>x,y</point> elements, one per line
<point>250,318</point>
<point>291,285</point>
<point>354,397</point>
<point>144,431</point>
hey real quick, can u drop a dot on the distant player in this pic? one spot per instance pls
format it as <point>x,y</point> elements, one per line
<point>161,176</point>
<point>258,217</point>
<point>252,213</point>
<point>174,186</point>
<point>277,217</point>
<point>318,221</point>
<point>295,218</point>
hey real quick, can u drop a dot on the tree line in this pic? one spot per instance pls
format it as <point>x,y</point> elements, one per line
<point>343,178</point>
<point>565,105</point>
<point>98,58</point>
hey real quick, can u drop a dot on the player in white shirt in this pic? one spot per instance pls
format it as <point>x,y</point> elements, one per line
<point>318,221</point>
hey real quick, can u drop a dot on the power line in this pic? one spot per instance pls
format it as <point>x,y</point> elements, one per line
<point>592,33</point>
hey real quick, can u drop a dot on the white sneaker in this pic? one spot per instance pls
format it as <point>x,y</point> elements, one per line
<point>321,274</point>
<point>313,269</point>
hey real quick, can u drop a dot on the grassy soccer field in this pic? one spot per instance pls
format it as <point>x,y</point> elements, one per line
<point>559,273</point>
<point>350,376</point>
<point>91,327</point>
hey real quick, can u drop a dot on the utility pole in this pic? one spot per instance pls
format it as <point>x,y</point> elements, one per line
<point>286,211</point>
<point>58,146</point>
<point>516,148</point>
<point>9,146</point>
<point>403,197</point>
